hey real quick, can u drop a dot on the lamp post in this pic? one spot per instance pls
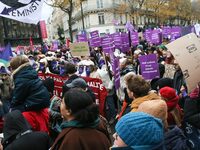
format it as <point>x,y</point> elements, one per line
<point>82,16</point>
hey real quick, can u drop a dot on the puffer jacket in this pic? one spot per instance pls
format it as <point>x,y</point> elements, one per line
<point>29,93</point>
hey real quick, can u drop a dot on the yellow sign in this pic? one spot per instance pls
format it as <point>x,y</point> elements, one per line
<point>79,49</point>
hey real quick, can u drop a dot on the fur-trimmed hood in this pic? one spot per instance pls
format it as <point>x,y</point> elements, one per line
<point>19,68</point>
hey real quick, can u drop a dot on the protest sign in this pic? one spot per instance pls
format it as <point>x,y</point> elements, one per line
<point>79,49</point>
<point>166,31</point>
<point>175,33</point>
<point>134,38</point>
<point>197,29</point>
<point>149,66</point>
<point>107,44</point>
<point>125,42</point>
<point>117,40</point>
<point>95,40</point>
<point>156,37</point>
<point>82,37</point>
<point>186,51</point>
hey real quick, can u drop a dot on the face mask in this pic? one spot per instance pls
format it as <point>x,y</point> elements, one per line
<point>54,65</point>
<point>80,69</point>
<point>88,71</point>
<point>42,66</point>
<point>62,71</point>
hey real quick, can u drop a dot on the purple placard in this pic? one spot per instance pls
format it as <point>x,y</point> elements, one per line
<point>166,31</point>
<point>107,43</point>
<point>125,42</point>
<point>129,26</point>
<point>156,37</point>
<point>95,40</point>
<point>149,66</point>
<point>147,35</point>
<point>116,73</point>
<point>134,38</point>
<point>82,38</point>
<point>117,40</point>
<point>175,33</point>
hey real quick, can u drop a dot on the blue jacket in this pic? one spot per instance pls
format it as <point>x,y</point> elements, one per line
<point>29,93</point>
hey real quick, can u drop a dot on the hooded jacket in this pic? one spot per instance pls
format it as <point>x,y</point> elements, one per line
<point>18,135</point>
<point>136,102</point>
<point>29,93</point>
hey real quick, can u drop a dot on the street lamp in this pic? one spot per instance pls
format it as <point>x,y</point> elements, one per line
<point>82,16</point>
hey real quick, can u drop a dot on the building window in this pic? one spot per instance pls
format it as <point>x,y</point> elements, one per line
<point>99,3</point>
<point>101,18</point>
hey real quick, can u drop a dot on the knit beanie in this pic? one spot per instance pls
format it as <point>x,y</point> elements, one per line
<point>138,129</point>
<point>168,93</point>
<point>165,82</point>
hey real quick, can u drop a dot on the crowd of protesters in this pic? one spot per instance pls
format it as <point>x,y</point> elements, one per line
<point>148,115</point>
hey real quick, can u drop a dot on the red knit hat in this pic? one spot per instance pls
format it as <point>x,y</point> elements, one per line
<point>168,93</point>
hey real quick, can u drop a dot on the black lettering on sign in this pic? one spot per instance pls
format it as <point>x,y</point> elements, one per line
<point>191,48</point>
<point>186,74</point>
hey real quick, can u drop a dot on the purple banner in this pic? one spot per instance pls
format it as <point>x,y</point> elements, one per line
<point>107,43</point>
<point>95,40</point>
<point>125,46</point>
<point>82,38</point>
<point>129,26</point>
<point>149,66</point>
<point>134,38</point>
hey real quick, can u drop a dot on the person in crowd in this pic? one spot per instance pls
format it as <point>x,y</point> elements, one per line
<point>169,65</point>
<point>30,96</point>
<point>71,73</point>
<point>94,72</point>
<point>175,114</point>
<point>55,118</point>
<point>174,136</point>
<point>139,131</point>
<point>19,136</point>
<point>139,90</point>
<point>162,82</point>
<point>81,118</point>
<point>108,81</point>
<point>81,84</point>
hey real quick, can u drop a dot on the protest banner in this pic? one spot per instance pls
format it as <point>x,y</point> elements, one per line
<point>186,51</point>
<point>23,11</point>
<point>107,44</point>
<point>175,33</point>
<point>166,32</point>
<point>80,49</point>
<point>96,86</point>
<point>117,40</point>
<point>156,37</point>
<point>125,42</point>
<point>149,66</point>
<point>43,29</point>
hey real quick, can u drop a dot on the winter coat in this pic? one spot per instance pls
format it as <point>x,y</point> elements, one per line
<point>84,138</point>
<point>19,136</point>
<point>192,108</point>
<point>29,93</point>
<point>175,139</point>
<point>136,102</point>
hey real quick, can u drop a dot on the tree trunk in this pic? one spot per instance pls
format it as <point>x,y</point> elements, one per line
<point>70,26</point>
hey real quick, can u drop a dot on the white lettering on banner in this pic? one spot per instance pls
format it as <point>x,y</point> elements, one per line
<point>95,85</point>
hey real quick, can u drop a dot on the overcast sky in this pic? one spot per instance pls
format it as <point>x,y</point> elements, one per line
<point>46,11</point>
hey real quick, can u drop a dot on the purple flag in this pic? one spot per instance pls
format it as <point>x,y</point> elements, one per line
<point>134,38</point>
<point>129,26</point>
<point>82,38</point>
<point>55,45</point>
<point>95,40</point>
<point>149,66</point>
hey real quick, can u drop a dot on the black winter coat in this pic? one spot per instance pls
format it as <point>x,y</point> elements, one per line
<point>18,135</point>
<point>29,93</point>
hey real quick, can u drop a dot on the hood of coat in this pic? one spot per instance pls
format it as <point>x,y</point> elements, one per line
<point>14,123</point>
